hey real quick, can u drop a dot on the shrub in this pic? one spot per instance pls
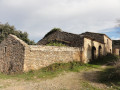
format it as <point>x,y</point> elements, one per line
<point>55,44</point>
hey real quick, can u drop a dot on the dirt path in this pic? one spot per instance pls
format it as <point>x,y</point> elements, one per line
<point>84,80</point>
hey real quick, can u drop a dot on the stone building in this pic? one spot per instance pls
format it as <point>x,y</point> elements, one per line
<point>116,47</point>
<point>91,44</point>
<point>16,56</point>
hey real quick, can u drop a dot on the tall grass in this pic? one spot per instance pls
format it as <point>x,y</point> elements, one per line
<point>111,76</point>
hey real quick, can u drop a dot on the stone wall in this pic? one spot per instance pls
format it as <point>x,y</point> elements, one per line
<point>12,55</point>
<point>37,56</point>
<point>116,51</point>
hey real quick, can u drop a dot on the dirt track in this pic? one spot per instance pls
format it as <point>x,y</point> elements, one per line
<point>68,81</point>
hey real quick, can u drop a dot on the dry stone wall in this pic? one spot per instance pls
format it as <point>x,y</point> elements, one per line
<point>38,56</point>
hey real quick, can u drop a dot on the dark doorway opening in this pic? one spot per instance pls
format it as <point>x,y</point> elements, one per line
<point>99,51</point>
<point>119,52</point>
<point>93,53</point>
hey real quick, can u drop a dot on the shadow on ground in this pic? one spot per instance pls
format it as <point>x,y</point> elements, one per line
<point>102,76</point>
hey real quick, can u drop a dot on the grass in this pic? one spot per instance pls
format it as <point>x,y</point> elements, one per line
<point>55,44</point>
<point>51,71</point>
<point>87,86</point>
<point>111,76</point>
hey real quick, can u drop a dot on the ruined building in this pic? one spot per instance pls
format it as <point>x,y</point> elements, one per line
<point>91,44</point>
<point>116,47</point>
<point>16,56</point>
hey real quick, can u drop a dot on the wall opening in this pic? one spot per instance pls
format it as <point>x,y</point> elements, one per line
<point>99,51</point>
<point>110,51</point>
<point>5,49</point>
<point>93,53</point>
<point>119,52</point>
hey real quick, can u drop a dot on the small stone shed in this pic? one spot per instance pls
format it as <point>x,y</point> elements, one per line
<point>16,56</point>
<point>116,47</point>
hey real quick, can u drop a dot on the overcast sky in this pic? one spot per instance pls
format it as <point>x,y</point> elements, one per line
<point>37,17</point>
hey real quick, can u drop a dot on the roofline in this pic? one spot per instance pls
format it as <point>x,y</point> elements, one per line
<point>93,39</point>
<point>100,34</point>
<point>107,36</point>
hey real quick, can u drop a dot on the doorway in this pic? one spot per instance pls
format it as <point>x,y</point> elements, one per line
<point>93,53</point>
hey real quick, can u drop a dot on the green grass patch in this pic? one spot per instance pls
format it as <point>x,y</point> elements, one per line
<point>87,86</point>
<point>51,71</point>
<point>55,44</point>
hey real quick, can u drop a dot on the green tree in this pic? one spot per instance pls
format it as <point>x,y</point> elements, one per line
<point>6,29</point>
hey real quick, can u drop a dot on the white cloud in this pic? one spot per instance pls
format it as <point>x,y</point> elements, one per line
<point>115,38</point>
<point>37,17</point>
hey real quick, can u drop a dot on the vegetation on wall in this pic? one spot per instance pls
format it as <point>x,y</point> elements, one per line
<point>55,44</point>
<point>6,29</point>
<point>51,31</point>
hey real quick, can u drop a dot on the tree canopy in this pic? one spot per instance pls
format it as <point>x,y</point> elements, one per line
<point>6,29</point>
